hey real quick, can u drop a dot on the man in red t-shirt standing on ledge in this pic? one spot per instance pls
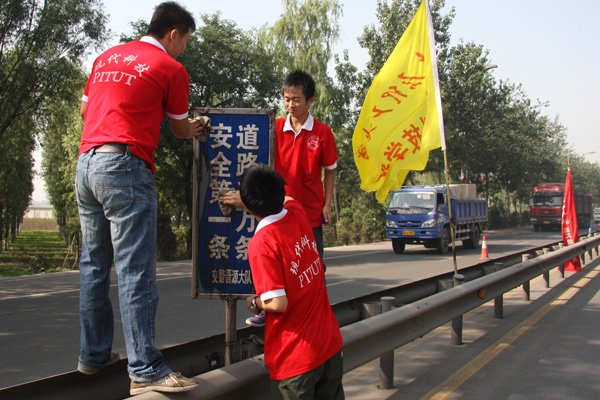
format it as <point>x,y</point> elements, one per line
<point>302,336</point>
<point>130,89</point>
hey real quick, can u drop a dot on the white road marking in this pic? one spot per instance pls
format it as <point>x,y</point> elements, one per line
<point>30,296</point>
<point>356,255</point>
<point>340,282</point>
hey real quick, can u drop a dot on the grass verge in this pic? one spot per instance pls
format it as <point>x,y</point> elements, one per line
<point>36,252</point>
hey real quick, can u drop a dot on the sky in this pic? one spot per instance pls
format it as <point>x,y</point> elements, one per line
<point>547,46</point>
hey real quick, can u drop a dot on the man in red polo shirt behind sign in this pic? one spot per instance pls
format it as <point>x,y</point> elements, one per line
<point>304,148</point>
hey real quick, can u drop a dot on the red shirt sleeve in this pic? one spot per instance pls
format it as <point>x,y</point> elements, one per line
<point>329,153</point>
<point>178,94</point>
<point>267,273</point>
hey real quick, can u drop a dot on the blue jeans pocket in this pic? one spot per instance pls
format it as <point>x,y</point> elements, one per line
<point>113,184</point>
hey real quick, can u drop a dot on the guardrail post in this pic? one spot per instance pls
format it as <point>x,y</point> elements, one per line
<point>499,300</point>
<point>370,310</point>
<point>561,267</point>
<point>526,285</point>
<point>445,284</point>
<point>386,361</point>
<point>547,273</point>
<point>230,330</point>
<point>488,269</point>
<point>457,323</point>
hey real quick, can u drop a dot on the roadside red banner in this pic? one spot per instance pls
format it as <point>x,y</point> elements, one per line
<point>569,228</point>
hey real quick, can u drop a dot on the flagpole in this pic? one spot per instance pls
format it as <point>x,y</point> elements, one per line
<point>438,97</point>
<point>435,75</point>
<point>450,211</point>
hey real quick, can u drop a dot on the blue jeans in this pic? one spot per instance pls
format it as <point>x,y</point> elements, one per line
<point>117,204</point>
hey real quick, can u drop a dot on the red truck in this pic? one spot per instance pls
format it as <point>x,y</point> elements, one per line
<point>546,206</point>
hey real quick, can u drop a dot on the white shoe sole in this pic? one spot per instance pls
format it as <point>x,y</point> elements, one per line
<point>167,389</point>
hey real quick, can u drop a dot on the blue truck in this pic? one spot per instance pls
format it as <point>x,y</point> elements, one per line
<point>420,215</point>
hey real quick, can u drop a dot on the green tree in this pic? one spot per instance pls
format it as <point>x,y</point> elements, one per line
<point>16,176</point>
<point>228,68</point>
<point>302,38</point>
<point>468,105</point>
<point>62,131</point>
<point>393,19</point>
<point>342,97</point>
<point>522,148</point>
<point>585,175</point>
<point>41,42</point>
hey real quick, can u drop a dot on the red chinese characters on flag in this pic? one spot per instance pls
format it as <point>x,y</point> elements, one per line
<point>401,118</point>
<point>569,228</point>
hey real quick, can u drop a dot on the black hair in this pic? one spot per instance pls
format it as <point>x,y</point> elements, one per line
<point>168,16</point>
<point>299,79</point>
<point>262,190</point>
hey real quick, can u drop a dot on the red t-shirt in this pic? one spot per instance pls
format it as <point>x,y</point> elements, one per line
<point>128,92</point>
<point>300,159</point>
<point>284,259</point>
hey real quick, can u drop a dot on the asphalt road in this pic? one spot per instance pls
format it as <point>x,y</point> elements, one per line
<point>39,322</point>
<point>544,349</point>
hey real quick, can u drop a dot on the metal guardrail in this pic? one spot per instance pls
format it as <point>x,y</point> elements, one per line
<point>424,306</point>
<point>367,340</point>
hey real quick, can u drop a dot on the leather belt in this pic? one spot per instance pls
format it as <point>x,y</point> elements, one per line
<point>120,148</point>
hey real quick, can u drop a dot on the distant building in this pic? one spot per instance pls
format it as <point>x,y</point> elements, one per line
<point>39,209</point>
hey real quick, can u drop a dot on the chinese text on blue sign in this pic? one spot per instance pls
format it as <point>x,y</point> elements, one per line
<point>239,139</point>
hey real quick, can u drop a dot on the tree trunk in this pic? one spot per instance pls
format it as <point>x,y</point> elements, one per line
<point>336,205</point>
<point>6,237</point>
<point>13,233</point>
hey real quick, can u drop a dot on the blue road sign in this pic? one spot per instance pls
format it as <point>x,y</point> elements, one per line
<point>239,139</point>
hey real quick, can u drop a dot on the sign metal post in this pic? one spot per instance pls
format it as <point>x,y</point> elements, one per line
<point>239,139</point>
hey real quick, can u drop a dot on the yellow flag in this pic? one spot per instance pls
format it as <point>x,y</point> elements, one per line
<point>401,118</point>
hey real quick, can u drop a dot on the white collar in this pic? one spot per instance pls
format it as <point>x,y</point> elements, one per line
<point>308,124</point>
<point>151,40</point>
<point>269,219</point>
